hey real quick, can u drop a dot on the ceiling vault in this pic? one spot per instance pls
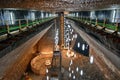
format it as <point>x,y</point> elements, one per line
<point>59,5</point>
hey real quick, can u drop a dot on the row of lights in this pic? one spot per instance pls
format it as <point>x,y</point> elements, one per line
<point>83,46</point>
<point>73,74</point>
<point>56,40</point>
<point>68,37</point>
<point>79,71</point>
<point>56,48</point>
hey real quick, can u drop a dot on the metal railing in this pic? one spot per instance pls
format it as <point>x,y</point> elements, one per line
<point>105,23</point>
<point>8,26</point>
<point>25,38</point>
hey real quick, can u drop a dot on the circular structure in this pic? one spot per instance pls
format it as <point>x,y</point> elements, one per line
<point>40,63</point>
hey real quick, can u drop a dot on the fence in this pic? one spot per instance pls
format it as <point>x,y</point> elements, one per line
<point>19,24</point>
<point>25,38</point>
<point>105,23</point>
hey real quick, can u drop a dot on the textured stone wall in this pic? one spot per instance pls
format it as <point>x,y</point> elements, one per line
<point>46,43</point>
<point>104,58</point>
<point>13,65</point>
<point>111,73</point>
<point>15,70</point>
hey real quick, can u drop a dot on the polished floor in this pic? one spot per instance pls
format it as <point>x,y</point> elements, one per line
<point>79,69</point>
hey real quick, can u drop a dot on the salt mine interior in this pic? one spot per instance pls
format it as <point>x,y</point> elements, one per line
<point>60,40</point>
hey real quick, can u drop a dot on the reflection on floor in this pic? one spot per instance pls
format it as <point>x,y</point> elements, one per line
<point>80,68</point>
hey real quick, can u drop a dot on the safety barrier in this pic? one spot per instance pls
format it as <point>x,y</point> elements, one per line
<point>24,36</point>
<point>102,23</point>
<point>9,26</point>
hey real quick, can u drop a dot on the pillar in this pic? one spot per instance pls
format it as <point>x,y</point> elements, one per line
<point>62,28</point>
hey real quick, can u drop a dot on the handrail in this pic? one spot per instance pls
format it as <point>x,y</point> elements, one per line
<point>19,24</point>
<point>104,23</point>
<point>24,39</point>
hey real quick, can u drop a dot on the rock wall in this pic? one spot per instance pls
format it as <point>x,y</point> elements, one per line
<point>104,58</point>
<point>13,65</point>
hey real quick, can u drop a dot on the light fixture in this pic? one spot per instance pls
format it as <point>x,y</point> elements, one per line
<point>75,35</point>
<point>74,77</point>
<point>47,77</point>
<point>91,59</point>
<point>77,69</point>
<point>69,26</point>
<point>69,68</point>
<point>69,74</point>
<point>46,70</point>
<point>83,47</point>
<point>81,72</point>
<point>72,71</point>
<point>71,62</point>
<point>78,44</point>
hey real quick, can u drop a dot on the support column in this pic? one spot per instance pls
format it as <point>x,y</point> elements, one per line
<point>8,27</point>
<point>62,29</point>
<point>20,28</point>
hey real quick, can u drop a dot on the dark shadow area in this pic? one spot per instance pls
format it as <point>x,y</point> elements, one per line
<point>83,46</point>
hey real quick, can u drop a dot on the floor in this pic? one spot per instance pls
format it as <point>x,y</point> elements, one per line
<point>77,67</point>
<point>90,71</point>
